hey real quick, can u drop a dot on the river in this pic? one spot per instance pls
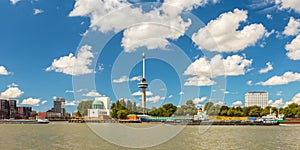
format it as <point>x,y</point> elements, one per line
<point>63,135</point>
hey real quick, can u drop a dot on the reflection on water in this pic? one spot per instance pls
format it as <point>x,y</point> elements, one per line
<point>62,135</point>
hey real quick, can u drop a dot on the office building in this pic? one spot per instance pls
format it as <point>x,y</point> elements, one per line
<point>257,98</point>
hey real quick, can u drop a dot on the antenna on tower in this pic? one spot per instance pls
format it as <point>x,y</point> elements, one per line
<point>144,56</point>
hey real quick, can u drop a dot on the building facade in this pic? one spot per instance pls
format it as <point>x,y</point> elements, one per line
<point>257,98</point>
<point>100,108</point>
<point>58,111</point>
<point>9,109</point>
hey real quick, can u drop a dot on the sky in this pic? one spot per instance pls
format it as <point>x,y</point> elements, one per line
<point>200,50</point>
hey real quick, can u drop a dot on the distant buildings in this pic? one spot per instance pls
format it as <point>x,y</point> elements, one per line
<point>100,108</point>
<point>58,111</point>
<point>9,109</point>
<point>257,98</point>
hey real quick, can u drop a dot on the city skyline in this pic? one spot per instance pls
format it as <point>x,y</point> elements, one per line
<point>258,43</point>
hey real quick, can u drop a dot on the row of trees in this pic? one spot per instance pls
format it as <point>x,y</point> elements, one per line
<point>292,110</point>
<point>121,108</point>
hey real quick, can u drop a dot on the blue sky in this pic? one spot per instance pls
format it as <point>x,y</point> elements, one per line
<point>212,50</point>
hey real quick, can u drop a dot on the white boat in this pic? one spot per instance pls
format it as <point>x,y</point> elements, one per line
<point>43,121</point>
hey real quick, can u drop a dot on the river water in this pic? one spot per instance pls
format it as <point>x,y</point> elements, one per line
<point>63,135</point>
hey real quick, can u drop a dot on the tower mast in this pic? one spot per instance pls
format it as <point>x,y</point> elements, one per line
<point>143,85</point>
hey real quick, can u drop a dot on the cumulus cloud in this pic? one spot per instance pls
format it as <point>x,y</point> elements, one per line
<point>277,103</point>
<point>71,103</point>
<point>250,83</point>
<point>267,69</point>
<point>13,85</point>
<point>14,1</point>
<point>293,49</point>
<point>44,102</point>
<point>3,71</point>
<point>202,69</point>
<point>199,100</point>
<point>223,34</point>
<point>74,65</point>
<point>199,81</point>
<point>126,79</point>
<point>296,99</point>
<point>92,94</point>
<point>37,11</point>
<point>288,4</point>
<point>75,91</point>
<point>181,93</point>
<point>139,93</point>
<point>281,80</point>
<point>269,16</point>
<point>170,96</point>
<point>31,101</point>
<point>155,99</point>
<point>151,34</point>
<point>11,92</point>
<point>237,103</point>
<point>279,93</point>
<point>293,27</point>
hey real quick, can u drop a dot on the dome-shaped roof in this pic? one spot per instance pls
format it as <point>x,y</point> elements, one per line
<point>97,104</point>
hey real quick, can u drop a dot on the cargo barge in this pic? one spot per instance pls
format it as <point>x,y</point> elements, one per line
<point>24,121</point>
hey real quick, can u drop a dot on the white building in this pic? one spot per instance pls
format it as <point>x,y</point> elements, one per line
<point>100,107</point>
<point>257,98</point>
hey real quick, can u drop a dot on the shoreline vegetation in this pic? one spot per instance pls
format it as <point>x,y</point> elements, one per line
<point>121,109</point>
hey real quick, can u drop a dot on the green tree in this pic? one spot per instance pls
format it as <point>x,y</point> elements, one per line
<point>129,105</point>
<point>83,107</point>
<point>122,114</point>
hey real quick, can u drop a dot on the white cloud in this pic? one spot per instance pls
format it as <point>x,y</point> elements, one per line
<point>222,34</point>
<point>139,93</point>
<point>37,11</point>
<point>170,96</point>
<point>279,93</point>
<point>163,22</point>
<point>277,103</point>
<point>199,100</point>
<point>72,103</point>
<point>126,79</point>
<point>288,4</point>
<point>199,81</point>
<point>295,99</point>
<point>11,92</point>
<point>293,49</point>
<point>269,16</point>
<point>76,91</point>
<point>13,85</point>
<point>231,66</point>
<point>31,101</point>
<point>267,69</point>
<point>181,93</point>
<point>92,94</point>
<point>3,71</point>
<point>280,80</point>
<point>249,83</point>
<point>237,103</point>
<point>293,27</point>
<point>101,67</point>
<point>74,65</point>
<point>14,1</point>
<point>155,99</point>
<point>202,69</point>
<point>270,102</point>
<point>44,102</point>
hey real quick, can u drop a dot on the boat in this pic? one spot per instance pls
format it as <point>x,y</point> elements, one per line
<point>24,121</point>
<point>290,122</point>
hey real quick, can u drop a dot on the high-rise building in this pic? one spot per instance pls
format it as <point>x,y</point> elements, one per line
<point>257,98</point>
<point>59,106</point>
<point>24,112</point>
<point>4,109</point>
<point>13,110</point>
